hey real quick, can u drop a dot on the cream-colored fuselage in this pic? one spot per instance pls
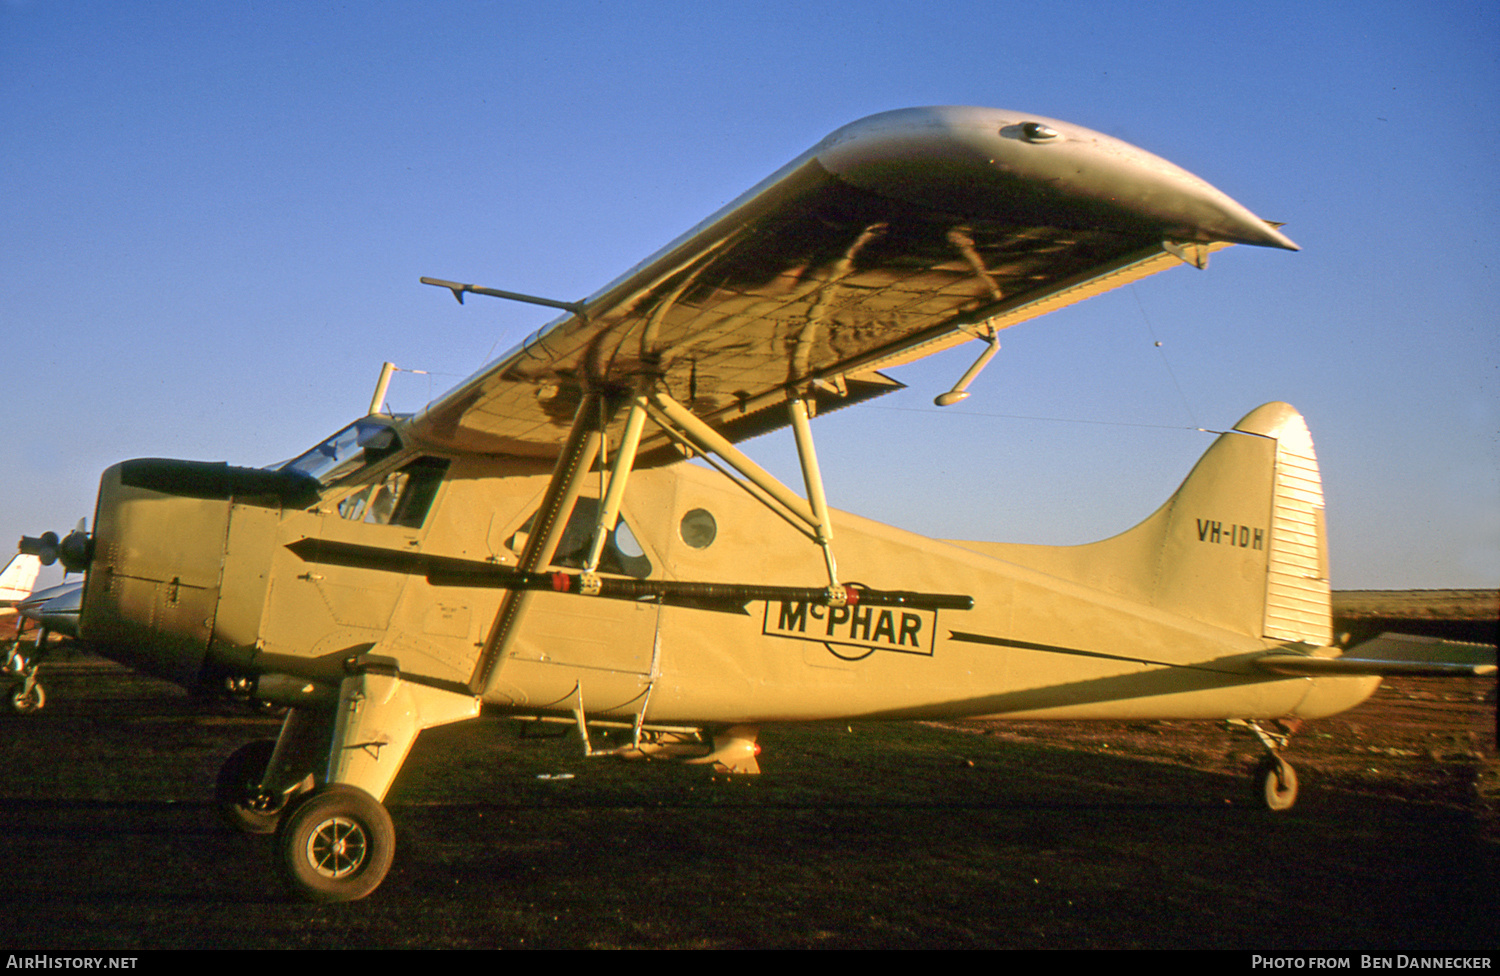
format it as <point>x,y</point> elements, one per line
<point>204,589</point>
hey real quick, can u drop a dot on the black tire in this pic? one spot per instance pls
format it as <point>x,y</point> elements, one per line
<point>1276,784</point>
<point>24,702</point>
<point>335,844</point>
<point>237,790</point>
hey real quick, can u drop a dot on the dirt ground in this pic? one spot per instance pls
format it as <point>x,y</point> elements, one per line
<point>901,835</point>
<point>1428,740</point>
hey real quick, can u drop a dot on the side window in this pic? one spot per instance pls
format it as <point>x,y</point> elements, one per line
<point>698,528</point>
<point>623,555</point>
<point>403,497</point>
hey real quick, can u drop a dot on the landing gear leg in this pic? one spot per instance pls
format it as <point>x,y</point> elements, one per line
<point>15,659</point>
<point>260,779</point>
<point>1275,779</point>
<point>336,843</point>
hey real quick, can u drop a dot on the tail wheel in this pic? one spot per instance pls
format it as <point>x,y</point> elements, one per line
<point>242,802</point>
<point>336,844</point>
<point>24,700</point>
<point>1276,783</point>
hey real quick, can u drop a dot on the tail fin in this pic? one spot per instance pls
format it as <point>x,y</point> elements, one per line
<point>1241,544</point>
<point>18,578</point>
<point>1244,544</point>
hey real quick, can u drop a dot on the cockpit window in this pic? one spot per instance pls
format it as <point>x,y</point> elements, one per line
<point>402,497</point>
<point>354,446</point>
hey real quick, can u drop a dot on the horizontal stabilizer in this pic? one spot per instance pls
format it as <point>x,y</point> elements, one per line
<point>1392,654</point>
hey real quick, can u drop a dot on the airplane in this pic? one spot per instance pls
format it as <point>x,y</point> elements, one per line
<point>573,535</point>
<point>17,581</point>
<point>54,610</point>
<point>51,611</point>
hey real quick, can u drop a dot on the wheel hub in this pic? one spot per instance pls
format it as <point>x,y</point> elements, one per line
<point>337,847</point>
<point>262,801</point>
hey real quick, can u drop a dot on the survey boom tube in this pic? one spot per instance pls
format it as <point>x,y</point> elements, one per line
<point>441,571</point>
<point>633,589</point>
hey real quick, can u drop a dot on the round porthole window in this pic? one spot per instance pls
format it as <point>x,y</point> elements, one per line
<point>699,529</point>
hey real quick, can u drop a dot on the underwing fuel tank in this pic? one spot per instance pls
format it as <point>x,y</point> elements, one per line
<point>153,586</point>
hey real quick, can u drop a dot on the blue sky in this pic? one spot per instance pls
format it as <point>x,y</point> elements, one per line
<point>213,217</point>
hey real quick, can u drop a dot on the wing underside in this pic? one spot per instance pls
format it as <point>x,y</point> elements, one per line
<point>893,239</point>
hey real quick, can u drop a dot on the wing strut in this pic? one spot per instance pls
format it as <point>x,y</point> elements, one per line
<point>679,421</point>
<point>812,476</point>
<point>609,512</point>
<point>583,448</point>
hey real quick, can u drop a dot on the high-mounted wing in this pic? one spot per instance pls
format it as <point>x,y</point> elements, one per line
<point>895,237</point>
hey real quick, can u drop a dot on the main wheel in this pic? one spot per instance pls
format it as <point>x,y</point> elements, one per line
<point>24,702</point>
<point>1276,783</point>
<point>336,844</point>
<point>237,790</point>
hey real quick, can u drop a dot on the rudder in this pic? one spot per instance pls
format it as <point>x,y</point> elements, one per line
<point>1243,543</point>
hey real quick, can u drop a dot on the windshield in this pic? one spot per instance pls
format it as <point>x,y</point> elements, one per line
<point>349,449</point>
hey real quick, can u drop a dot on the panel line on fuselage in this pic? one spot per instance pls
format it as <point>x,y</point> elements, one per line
<point>1077,652</point>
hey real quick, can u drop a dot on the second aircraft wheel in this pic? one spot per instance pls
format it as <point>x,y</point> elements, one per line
<point>24,702</point>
